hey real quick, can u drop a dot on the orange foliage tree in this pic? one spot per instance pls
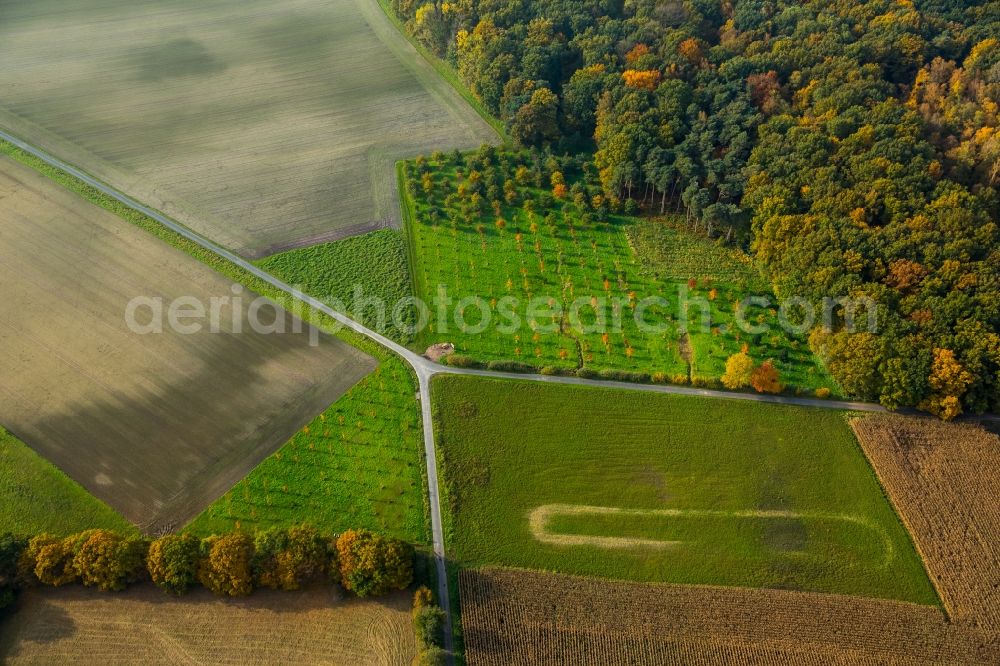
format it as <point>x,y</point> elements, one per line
<point>765,378</point>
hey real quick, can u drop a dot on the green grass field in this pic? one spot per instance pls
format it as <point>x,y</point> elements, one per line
<point>676,489</point>
<point>261,127</point>
<point>564,254</point>
<point>359,464</point>
<point>376,262</point>
<point>37,497</point>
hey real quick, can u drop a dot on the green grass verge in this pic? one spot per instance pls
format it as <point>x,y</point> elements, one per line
<point>387,443</point>
<point>448,73</point>
<point>36,497</point>
<point>509,448</point>
<point>603,269</point>
<point>376,262</point>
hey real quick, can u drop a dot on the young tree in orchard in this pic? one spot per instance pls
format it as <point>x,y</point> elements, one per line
<point>765,379</point>
<point>739,368</point>
<point>172,562</point>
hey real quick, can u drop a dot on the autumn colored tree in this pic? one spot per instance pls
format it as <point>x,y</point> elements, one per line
<point>422,597</point>
<point>948,381</point>
<point>647,79</point>
<point>109,561</point>
<point>49,559</point>
<point>765,379</point>
<point>172,562</point>
<point>371,565</point>
<point>739,368</point>
<point>226,564</point>
<point>289,559</point>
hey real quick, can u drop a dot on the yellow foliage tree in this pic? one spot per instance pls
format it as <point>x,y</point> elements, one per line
<point>949,381</point>
<point>644,79</point>
<point>739,368</point>
<point>226,570</point>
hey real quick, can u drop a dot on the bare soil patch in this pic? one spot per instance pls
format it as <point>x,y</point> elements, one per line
<point>515,617</point>
<point>157,425</point>
<point>145,626</point>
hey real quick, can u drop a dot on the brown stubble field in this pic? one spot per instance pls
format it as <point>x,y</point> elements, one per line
<point>516,617</point>
<point>944,480</point>
<point>261,125</point>
<point>158,426</point>
<point>143,625</point>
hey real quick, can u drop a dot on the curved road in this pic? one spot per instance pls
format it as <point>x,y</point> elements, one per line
<point>422,367</point>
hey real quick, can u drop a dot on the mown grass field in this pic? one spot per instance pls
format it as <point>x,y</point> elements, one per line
<point>143,625</point>
<point>375,262</point>
<point>262,126</point>
<point>677,489</point>
<point>603,266</point>
<point>359,464</point>
<point>36,497</point>
<point>159,424</point>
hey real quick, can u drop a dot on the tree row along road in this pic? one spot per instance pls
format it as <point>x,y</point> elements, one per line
<point>422,367</point>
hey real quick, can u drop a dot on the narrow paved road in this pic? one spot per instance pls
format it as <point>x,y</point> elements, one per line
<point>424,369</point>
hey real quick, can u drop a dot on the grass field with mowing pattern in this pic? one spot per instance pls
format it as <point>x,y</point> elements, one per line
<point>652,487</point>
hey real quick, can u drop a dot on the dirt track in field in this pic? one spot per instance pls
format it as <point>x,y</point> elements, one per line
<point>260,125</point>
<point>144,625</point>
<point>158,425</point>
<point>522,618</point>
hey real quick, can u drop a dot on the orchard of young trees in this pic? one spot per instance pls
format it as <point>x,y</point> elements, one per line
<point>854,146</point>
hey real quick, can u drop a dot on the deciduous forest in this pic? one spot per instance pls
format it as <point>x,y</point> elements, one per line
<point>853,147</point>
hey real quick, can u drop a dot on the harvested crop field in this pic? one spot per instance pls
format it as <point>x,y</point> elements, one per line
<point>514,617</point>
<point>943,480</point>
<point>262,125</point>
<point>143,625</point>
<point>156,425</point>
